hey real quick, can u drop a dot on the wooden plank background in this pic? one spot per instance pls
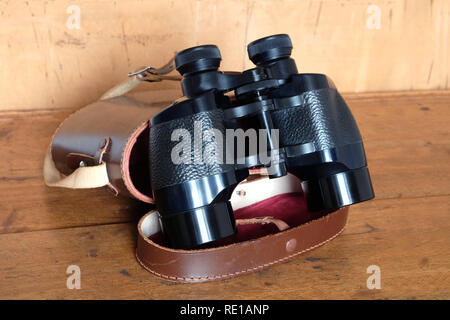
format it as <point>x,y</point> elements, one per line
<point>46,62</point>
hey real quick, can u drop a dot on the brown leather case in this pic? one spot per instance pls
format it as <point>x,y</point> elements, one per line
<point>115,132</point>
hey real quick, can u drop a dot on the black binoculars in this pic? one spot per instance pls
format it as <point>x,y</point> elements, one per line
<point>269,116</point>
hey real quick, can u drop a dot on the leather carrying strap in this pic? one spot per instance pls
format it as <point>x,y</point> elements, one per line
<point>122,88</point>
<point>241,257</point>
<point>235,259</point>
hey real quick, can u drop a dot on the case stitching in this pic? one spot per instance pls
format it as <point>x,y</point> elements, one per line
<point>241,271</point>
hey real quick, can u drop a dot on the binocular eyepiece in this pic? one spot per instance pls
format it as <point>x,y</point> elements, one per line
<point>264,51</point>
<point>261,52</point>
<point>198,59</point>
<point>303,125</point>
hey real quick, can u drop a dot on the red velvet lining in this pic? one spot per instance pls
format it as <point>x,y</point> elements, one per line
<point>289,207</point>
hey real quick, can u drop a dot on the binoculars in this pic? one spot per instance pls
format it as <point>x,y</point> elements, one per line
<point>269,116</point>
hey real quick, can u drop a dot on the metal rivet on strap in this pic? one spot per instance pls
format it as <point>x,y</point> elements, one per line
<point>241,193</point>
<point>291,245</point>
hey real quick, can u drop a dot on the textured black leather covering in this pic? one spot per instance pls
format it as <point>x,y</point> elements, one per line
<point>163,171</point>
<point>323,119</point>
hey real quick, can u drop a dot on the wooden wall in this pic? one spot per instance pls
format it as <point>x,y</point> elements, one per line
<point>64,54</point>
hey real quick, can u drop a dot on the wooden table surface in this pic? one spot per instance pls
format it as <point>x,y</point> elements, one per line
<point>405,230</point>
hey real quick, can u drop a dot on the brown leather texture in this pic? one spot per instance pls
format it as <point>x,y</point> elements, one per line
<point>237,258</point>
<point>124,120</point>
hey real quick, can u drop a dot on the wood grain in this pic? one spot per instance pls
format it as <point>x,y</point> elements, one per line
<point>406,238</point>
<point>47,64</point>
<point>405,230</point>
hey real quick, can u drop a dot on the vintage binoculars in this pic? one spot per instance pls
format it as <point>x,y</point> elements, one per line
<point>269,116</point>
